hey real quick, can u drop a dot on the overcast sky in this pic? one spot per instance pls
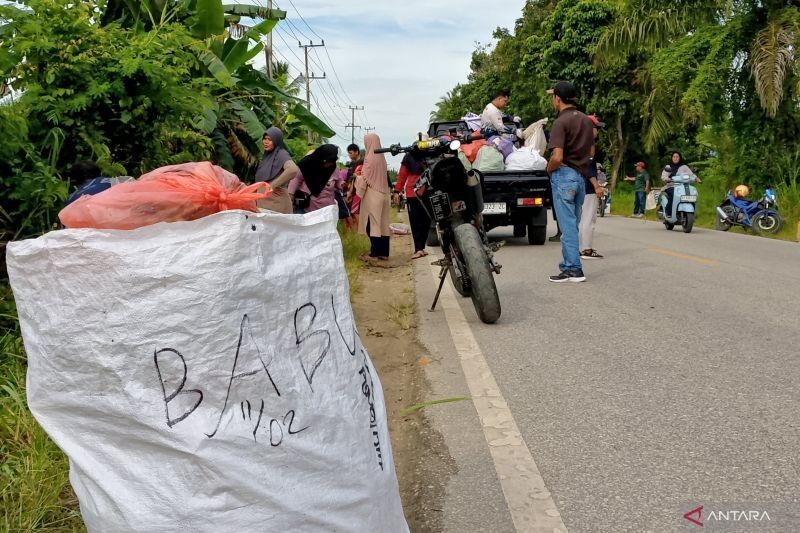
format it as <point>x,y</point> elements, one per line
<point>394,58</point>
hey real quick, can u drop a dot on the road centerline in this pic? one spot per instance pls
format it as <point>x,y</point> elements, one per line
<point>687,257</point>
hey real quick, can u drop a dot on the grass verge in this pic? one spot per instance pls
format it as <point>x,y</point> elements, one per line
<point>35,494</point>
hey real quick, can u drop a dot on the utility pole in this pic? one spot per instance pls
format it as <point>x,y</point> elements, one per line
<point>268,49</point>
<point>352,124</point>
<point>369,129</point>
<point>305,48</point>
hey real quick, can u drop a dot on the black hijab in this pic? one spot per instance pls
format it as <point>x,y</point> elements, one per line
<point>315,173</point>
<point>412,164</point>
<point>673,168</point>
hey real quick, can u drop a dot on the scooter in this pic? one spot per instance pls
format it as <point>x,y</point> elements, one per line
<point>684,202</point>
<point>761,216</point>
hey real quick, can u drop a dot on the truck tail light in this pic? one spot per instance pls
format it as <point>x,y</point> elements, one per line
<point>530,202</point>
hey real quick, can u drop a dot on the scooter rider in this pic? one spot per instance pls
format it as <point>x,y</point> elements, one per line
<point>676,167</point>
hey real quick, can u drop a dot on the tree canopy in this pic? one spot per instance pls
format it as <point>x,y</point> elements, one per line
<point>716,79</point>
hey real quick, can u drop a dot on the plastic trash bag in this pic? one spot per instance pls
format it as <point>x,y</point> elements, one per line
<point>526,158</point>
<point>464,161</point>
<point>503,145</point>
<point>534,136</point>
<point>214,380</point>
<point>473,121</point>
<point>167,194</point>
<point>471,149</point>
<point>489,160</point>
<point>651,201</point>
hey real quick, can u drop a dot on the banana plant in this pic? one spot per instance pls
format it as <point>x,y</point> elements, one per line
<point>247,100</point>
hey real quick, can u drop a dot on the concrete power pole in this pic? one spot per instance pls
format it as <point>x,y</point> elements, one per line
<point>352,124</point>
<point>305,48</point>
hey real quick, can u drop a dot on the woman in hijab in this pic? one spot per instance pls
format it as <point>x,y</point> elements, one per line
<point>676,167</point>
<point>410,171</point>
<point>277,169</point>
<point>318,177</point>
<point>373,189</point>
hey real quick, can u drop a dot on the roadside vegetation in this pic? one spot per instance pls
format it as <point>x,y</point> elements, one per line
<point>716,80</point>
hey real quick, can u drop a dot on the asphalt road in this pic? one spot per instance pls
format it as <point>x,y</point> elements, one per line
<point>668,380</point>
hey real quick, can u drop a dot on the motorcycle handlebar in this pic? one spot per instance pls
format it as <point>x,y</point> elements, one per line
<point>385,150</point>
<point>397,149</point>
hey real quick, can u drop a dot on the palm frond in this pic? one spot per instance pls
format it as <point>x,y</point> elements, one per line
<point>772,55</point>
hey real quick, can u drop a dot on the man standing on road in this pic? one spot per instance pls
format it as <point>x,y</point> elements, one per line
<point>641,187</point>
<point>571,145</point>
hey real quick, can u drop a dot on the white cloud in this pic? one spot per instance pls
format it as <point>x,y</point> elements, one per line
<point>395,59</point>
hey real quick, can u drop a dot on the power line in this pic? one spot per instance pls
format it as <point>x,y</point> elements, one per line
<point>347,97</point>
<point>304,20</point>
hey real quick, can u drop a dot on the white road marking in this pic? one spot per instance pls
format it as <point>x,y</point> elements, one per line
<point>529,502</point>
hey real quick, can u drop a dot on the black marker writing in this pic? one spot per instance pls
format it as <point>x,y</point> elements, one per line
<point>367,388</point>
<point>306,335</point>
<point>178,390</point>
<point>341,334</point>
<point>245,374</point>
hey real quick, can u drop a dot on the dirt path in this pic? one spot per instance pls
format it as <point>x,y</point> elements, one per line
<point>385,313</point>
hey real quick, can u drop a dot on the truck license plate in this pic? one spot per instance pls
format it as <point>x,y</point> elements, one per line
<point>494,208</point>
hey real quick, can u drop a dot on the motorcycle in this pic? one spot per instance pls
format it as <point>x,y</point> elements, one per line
<point>452,198</point>
<point>684,200</point>
<point>761,216</point>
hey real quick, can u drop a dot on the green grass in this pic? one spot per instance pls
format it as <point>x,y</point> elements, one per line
<point>710,193</point>
<point>35,494</point>
<point>354,246</point>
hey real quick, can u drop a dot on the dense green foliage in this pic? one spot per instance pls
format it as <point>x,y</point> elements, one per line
<point>717,79</point>
<point>133,86</point>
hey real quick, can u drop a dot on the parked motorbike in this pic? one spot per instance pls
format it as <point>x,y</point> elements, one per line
<point>683,208</point>
<point>452,197</point>
<point>760,216</point>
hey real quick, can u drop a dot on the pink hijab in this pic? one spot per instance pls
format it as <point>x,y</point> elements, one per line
<point>374,174</point>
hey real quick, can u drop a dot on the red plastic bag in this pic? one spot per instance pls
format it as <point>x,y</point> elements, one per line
<point>471,150</point>
<point>167,194</point>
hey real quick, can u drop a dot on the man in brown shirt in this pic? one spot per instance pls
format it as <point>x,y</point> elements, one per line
<point>571,145</point>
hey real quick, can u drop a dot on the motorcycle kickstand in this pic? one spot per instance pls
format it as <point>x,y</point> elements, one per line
<point>442,278</point>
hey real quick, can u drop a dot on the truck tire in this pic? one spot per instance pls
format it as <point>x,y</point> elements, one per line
<point>537,235</point>
<point>484,291</point>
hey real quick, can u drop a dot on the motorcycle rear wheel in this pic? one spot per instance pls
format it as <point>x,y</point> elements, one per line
<point>484,291</point>
<point>456,269</point>
<point>723,225</point>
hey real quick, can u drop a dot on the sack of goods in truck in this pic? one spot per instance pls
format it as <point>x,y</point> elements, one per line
<point>473,121</point>
<point>471,149</point>
<point>526,158</point>
<point>504,146</point>
<point>534,136</point>
<point>489,160</point>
